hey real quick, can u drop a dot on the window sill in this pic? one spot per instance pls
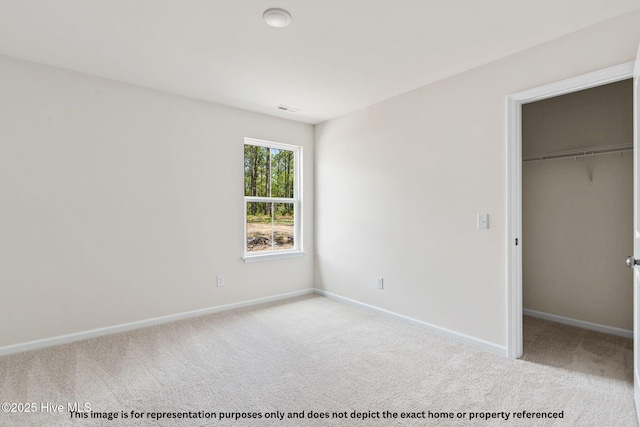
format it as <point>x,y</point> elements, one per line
<point>270,256</point>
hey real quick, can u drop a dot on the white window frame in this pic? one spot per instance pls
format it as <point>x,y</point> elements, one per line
<point>296,200</point>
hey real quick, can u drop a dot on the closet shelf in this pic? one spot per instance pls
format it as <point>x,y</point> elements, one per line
<point>581,152</point>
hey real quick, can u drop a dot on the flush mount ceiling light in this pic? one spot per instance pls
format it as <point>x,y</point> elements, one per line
<point>277,17</point>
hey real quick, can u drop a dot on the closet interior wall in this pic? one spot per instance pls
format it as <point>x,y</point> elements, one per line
<point>577,212</point>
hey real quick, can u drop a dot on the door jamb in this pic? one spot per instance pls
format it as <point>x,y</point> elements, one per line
<point>514,183</point>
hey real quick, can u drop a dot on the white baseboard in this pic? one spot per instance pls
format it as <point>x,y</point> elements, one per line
<point>64,339</point>
<point>579,323</point>
<point>476,342</point>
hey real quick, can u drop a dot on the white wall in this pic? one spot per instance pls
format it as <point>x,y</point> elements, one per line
<point>399,184</point>
<point>119,204</point>
<point>576,237</point>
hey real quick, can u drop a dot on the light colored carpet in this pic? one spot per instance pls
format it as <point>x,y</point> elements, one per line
<point>579,350</point>
<point>315,354</point>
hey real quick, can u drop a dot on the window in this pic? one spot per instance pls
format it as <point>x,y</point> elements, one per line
<point>272,205</point>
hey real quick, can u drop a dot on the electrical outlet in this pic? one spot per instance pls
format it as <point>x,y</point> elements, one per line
<point>220,281</point>
<point>379,282</point>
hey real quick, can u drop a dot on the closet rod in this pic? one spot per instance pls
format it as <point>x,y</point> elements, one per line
<point>581,152</point>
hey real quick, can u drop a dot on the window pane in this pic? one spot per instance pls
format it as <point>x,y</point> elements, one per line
<point>282,171</point>
<point>283,226</point>
<point>259,226</point>
<point>270,226</point>
<point>257,171</point>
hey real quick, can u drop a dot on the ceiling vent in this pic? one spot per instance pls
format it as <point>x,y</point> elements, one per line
<point>287,109</point>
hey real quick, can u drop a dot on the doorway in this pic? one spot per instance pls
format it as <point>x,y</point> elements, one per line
<point>577,211</point>
<point>515,157</point>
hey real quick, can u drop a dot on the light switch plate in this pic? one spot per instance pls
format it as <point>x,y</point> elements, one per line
<point>483,221</point>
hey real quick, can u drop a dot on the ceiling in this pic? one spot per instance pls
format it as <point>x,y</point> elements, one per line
<point>337,56</point>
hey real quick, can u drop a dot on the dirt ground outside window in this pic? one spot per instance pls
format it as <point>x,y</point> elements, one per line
<point>269,236</point>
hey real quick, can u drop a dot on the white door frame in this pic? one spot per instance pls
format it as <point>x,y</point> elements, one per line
<point>514,184</point>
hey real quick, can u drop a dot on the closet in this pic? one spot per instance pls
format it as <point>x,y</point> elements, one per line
<point>577,207</point>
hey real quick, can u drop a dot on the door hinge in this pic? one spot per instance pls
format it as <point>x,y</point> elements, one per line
<point>516,242</point>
